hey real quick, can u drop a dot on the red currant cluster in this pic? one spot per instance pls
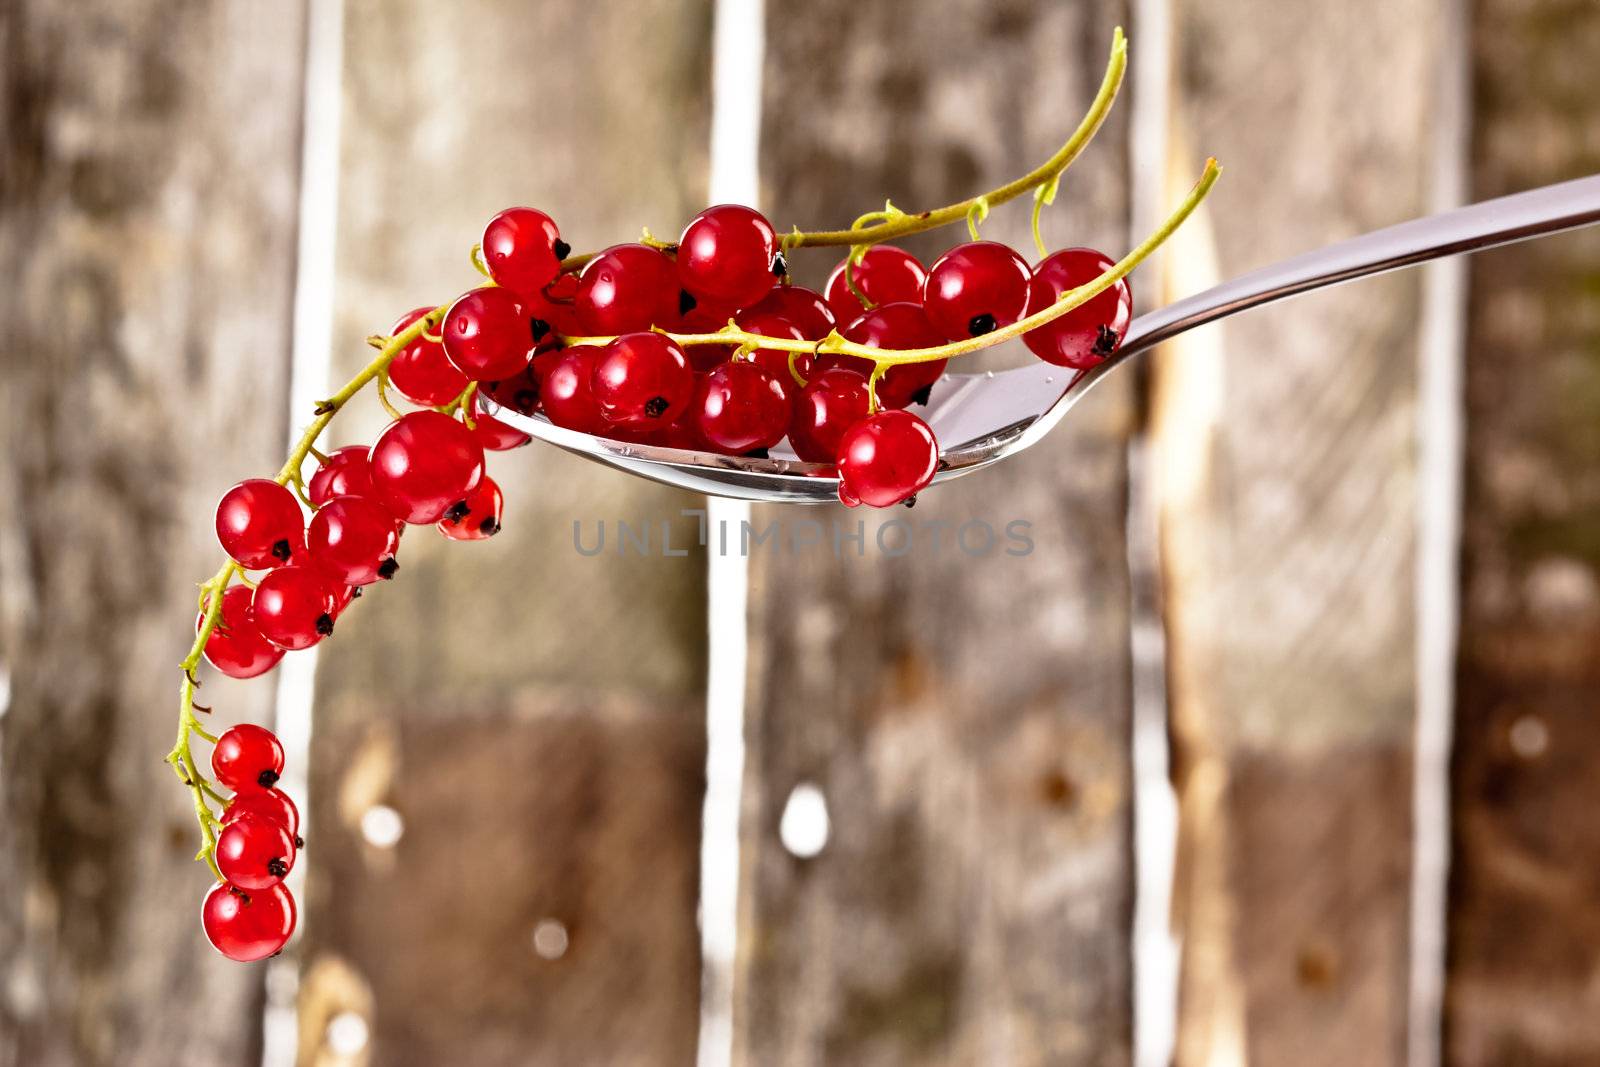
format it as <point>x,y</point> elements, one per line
<point>673,372</point>
<point>703,344</point>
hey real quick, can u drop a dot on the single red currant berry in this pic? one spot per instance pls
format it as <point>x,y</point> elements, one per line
<point>976,288</point>
<point>254,853</point>
<point>424,462</point>
<point>803,307</point>
<point>476,518</point>
<point>247,756</point>
<point>642,380</point>
<point>294,606</point>
<point>741,408</point>
<point>272,804</point>
<point>523,249</point>
<point>260,525</point>
<point>556,304</point>
<point>886,458</point>
<point>832,401</point>
<point>775,360</point>
<point>236,647</point>
<point>421,371</point>
<point>627,288</point>
<point>885,275</point>
<point>486,335</point>
<point>568,395</point>
<point>1088,333</point>
<point>896,327</point>
<point>520,392</point>
<point>492,434</point>
<point>729,254</point>
<point>352,539</point>
<point>246,927</point>
<point>347,473</point>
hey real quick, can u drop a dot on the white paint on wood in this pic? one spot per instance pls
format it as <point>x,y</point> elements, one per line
<point>1440,458</point>
<point>738,48</point>
<point>310,365</point>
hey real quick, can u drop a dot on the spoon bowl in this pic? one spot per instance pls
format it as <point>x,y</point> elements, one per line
<point>980,419</point>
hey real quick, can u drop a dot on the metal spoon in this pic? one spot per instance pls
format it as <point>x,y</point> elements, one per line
<point>980,419</point>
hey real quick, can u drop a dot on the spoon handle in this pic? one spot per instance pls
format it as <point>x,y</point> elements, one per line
<point>1504,220</point>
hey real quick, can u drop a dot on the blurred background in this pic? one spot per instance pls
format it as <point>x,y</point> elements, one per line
<point>1277,749</point>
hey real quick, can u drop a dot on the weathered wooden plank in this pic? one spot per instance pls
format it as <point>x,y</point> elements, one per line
<point>1285,456</point>
<point>147,219</point>
<point>965,713</point>
<point>534,716</point>
<point>1524,918</point>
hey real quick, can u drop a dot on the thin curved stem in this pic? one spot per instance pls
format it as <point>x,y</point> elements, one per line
<point>895,223</point>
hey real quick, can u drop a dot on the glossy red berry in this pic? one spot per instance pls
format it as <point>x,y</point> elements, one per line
<point>294,606</point>
<point>896,327</point>
<point>886,458</point>
<point>742,407</point>
<point>1088,333</point>
<point>556,304</point>
<point>642,380</point>
<point>627,288</point>
<point>520,392</point>
<point>729,254</point>
<point>477,518</point>
<point>260,525</point>
<point>246,927</point>
<point>776,360</point>
<point>254,853</point>
<point>568,393</point>
<point>492,434</point>
<point>273,804</point>
<point>803,307</point>
<point>247,756</point>
<point>832,401</point>
<point>886,275</point>
<point>424,462</point>
<point>487,336</point>
<point>420,371</point>
<point>976,288</point>
<point>353,539</point>
<point>705,317</point>
<point>348,472</point>
<point>236,647</point>
<point>523,249</point>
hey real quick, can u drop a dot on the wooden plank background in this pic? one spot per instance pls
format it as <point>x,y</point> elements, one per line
<point>535,717</point>
<point>974,903</point>
<point>147,221</point>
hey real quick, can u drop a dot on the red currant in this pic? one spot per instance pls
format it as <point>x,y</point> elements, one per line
<point>892,327</point>
<point>523,249</point>
<point>776,360</point>
<point>260,525</point>
<point>1088,333</point>
<point>421,371</point>
<point>642,380</point>
<point>556,304</point>
<point>347,473</point>
<point>886,275</point>
<point>424,462</point>
<point>486,336</point>
<point>353,539</point>
<point>742,407</point>
<point>885,458</point>
<point>568,395</point>
<point>705,318</point>
<point>832,401</point>
<point>246,927</point>
<point>729,254</point>
<point>494,435</point>
<point>520,392</point>
<point>477,518</point>
<point>294,606</point>
<point>976,288</point>
<point>247,756</point>
<point>236,647</point>
<point>273,804</point>
<point>803,307</point>
<point>627,288</point>
<point>254,853</point>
